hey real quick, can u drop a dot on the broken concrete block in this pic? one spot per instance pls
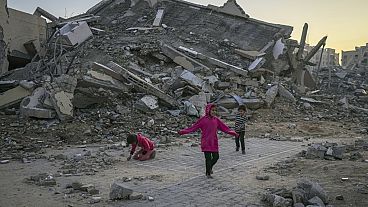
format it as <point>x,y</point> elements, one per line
<point>231,103</point>
<point>183,60</point>
<point>7,85</point>
<point>135,196</point>
<point>271,94</point>
<point>316,151</point>
<point>278,49</point>
<point>283,92</point>
<point>200,102</point>
<point>119,191</point>
<point>32,106</point>
<point>191,78</point>
<point>13,96</point>
<point>252,55</point>
<point>190,109</point>
<point>223,85</point>
<point>316,201</point>
<point>61,101</point>
<point>147,103</point>
<point>275,200</point>
<point>75,33</point>
<point>257,63</point>
<point>159,16</point>
<point>312,189</point>
<point>299,195</point>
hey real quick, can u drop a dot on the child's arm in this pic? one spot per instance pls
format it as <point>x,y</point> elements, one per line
<point>193,128</point>
<point>134,146</point>
<point>223,127</point>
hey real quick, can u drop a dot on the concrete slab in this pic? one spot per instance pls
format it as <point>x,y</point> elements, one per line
<point>32,106</point>
<point>13,96</point>
<point>75,33</point>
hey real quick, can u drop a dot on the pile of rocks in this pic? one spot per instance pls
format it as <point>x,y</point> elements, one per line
<point>306,193</point>
<point>333,151</point>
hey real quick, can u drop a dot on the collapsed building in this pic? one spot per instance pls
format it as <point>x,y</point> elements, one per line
<point>172,56</point>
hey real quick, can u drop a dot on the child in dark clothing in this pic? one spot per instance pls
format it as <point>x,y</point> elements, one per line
<point>147,150</point>
<point>209,124</point>
<point>240,128</point>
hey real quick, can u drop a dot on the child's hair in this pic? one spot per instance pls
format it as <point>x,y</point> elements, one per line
<point>131,138</point>
<point>242,107</point>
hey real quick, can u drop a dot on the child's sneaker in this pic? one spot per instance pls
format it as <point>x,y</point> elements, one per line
<point>237,149</point>
<point>209,176</point>
<point>243,152</point>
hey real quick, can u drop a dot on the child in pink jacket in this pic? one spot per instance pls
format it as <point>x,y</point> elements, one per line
<point>147,150</point>
<point>209,124</point>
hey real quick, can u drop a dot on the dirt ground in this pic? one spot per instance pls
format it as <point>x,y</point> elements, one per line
<point>16,192</point>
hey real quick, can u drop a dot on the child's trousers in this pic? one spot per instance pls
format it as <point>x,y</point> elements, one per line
<point>211,159</point>
<point>241,139</point>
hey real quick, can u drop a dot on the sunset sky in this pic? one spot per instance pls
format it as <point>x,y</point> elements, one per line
<point>344,21</point>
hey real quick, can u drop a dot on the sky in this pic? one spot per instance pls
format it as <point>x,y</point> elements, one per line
<point>345,22</point>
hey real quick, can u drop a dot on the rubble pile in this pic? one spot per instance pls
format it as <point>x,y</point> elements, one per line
<point>306,193</point>
<point>151,66</point>
<point>333,151</point>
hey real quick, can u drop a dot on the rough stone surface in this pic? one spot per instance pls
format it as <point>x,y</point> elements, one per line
<point>312,189</point>
<point>135,196</point>
<point>119,191</point>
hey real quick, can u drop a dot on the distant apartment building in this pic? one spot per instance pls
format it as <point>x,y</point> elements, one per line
<point>329,57</point>
<point>355,58</point>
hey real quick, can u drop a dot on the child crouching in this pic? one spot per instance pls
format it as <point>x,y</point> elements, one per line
<point>147,150</point>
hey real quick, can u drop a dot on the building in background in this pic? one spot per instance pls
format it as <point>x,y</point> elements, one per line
<point>355,58</point>
<point>21,35</point>
<point>329,57</point>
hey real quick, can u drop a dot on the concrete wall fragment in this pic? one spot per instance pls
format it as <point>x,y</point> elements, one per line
<point>14,96</point>
<point>271,94</point>
<point>231,7</point>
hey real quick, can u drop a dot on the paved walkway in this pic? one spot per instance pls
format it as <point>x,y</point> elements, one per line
<point>227,188</point>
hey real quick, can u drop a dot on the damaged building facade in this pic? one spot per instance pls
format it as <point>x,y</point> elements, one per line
<point>21,36</point>
<point>355,58</point>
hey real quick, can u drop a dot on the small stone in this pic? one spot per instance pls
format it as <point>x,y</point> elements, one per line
<point>88,153</point>
<point>86,187</point>
<point>150,198</point>
<point>77,185</point>
<point>93,191</point>
<point>95,200</point>
<point>25,160</point>
<point>4,161</point>
<point>299,205</point>
<point>316,201</point>
<point>262,177</point>
<point>119,191</point>
<point>135,196</point>
<point>339,197</point>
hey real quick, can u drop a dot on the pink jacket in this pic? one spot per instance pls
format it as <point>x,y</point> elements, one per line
<point>209,125</point>
<point>143,142</point>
